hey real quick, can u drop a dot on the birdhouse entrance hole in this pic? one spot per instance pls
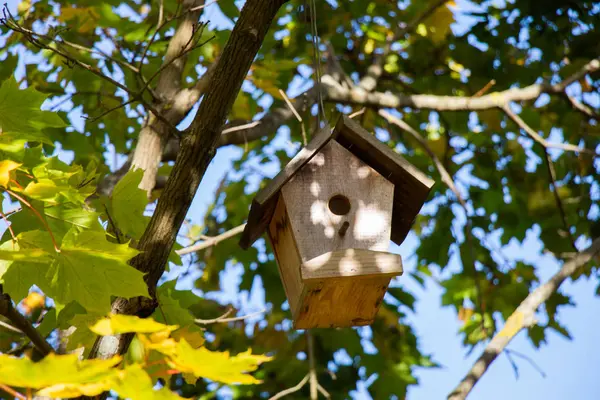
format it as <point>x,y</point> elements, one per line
<point>330,215</point>
<point>339,205</point>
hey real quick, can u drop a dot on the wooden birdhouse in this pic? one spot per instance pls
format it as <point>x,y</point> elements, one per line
<point>330,215</point>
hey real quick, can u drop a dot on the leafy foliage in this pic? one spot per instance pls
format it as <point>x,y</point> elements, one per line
<point>67,250</point>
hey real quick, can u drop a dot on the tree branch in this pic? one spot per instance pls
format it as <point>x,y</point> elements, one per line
<point>522,318</point>
<point>154,135</point>
<point>291,390</point>
<point>22,324</point>
<point>211,241</point>
<point>223,318</point>
<point>197,150</point>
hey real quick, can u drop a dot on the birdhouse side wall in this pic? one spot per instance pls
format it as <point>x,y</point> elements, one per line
<point>340,303</point>
<point>287,255</point>
<point>335,171</point>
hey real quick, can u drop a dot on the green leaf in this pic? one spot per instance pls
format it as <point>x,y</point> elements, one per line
<point>128,204</point>
<point>20,110</point>
<point>174,304</point>
<point>89,269</point>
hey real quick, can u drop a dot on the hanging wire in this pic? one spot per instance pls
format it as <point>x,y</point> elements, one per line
<point>317,63</point>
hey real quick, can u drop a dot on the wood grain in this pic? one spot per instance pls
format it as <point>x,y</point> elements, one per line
<point>286,254</point>
<point>335,171</point>
<point>338,303</point>
<point>352,264</point>
<point>411,186</point>
<point>263,205</point>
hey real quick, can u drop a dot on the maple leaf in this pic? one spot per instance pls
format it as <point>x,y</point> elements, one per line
<point>118,323</point>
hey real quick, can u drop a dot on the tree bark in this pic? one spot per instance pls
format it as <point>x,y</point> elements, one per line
<point>155,134</point>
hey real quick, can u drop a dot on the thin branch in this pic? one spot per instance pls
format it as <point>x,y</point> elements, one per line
<point>444,174</point>
<point>523,317</point>
<point>223,319</point>
<point>37,214</point>
<point>484,89</point>
<point>314,383</point>
<point>512,362</point>
<point>10,327</point>
<point>557,199</point>
<point>10,23</point>
<point>298,117</point>
<point>539,139</point>
<point>528,359</point>
<point>324,392</point>
<point>592,66</point>
<point>549,164</point>
<point>357,113</point>
<point>291,390</point>
<point>12,392</point>
<point>21,323</point>
<point>203,5</point>
<point>212,241</point>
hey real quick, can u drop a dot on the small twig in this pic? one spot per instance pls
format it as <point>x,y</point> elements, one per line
<point>203,6</point>
<point>168,63</point>
<point>105,113</point>
<point>12,392</point>
<point>484,89</point>
<point>357,113</point>
<point>512,363</point>
<point>291,390</point>
<point>20,322</point>
<point>9,226</point>
<point>557,199</point>
<point>114,226</point>
<point>298,117</point>
<point>529,360</point>
<point>539,139</point>
<point>223,319</point>
<point>314,383</point>
<point>10,327</point>
<point>240,127</point>
<point>591,66</point>
<point>324,392</point>
<point>37,214</point>
<point>549,164</point>
<point>212,241</point>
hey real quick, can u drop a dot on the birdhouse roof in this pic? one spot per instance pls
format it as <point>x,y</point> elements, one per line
<point>411,186</point>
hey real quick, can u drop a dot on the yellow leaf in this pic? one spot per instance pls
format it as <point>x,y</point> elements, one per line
<point>135,384</point>
<point>70,391</point>
<point>438,24</point>
<point>117,323</point>
<point>369,46</point>
<point>422,30</point>
<point>84,18</point>
<point>54,370</point>
<point>192,334</point>
<point>159,341</point>
<point>465,314</point>
<point>33,301</point>
<point>5,167</point>
<point>216,366</point>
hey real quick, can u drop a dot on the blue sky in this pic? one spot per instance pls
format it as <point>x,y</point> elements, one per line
<point>571,367</point>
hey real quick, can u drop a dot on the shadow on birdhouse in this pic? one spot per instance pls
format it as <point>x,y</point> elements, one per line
<point>330,215</point>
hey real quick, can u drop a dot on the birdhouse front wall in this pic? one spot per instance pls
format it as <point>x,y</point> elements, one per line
<point>334,189</point>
